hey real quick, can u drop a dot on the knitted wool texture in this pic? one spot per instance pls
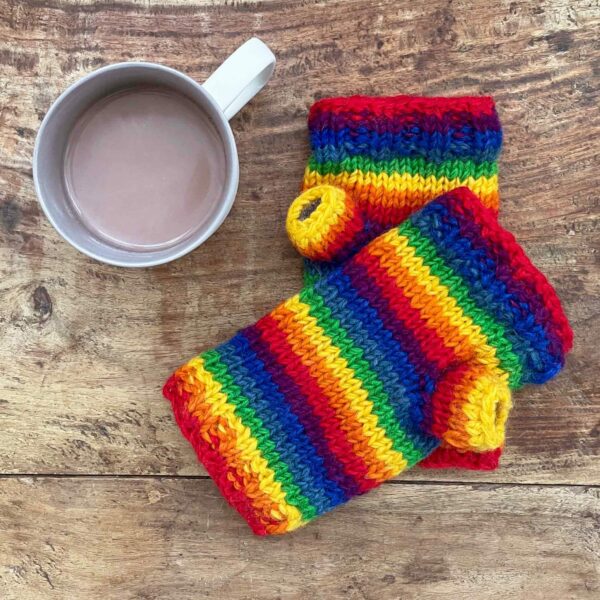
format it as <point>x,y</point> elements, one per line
<point>415,339</point>
<point>393,155</point>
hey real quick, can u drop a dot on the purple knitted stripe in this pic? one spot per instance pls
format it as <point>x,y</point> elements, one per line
<point>409,122</point>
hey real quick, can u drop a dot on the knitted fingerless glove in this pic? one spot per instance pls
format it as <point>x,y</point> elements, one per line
<point>393,155</point>
<point>415,339</point>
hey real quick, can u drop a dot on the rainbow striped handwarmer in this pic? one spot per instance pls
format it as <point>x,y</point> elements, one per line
<point>396,153</point>
<point>416,339</point>
<point>393,155</point>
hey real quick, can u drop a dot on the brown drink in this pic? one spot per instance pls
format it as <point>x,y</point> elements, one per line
<point>144,168</point>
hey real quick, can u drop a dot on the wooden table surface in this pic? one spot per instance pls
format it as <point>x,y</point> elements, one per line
<point>100,496</point>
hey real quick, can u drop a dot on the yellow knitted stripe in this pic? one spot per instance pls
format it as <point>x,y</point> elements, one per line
<point>239,447</point>
<point>410,190</point>
<point>438,308</point>
<point>354,400</point>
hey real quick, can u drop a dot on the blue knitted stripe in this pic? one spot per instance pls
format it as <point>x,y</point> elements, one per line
<point>300,406</point>
<point>284,429</point>
<point>479,273</point>
<point>437,147</point>
<point>385,357</point>
<point>418,374</point>
<point>500,259</point>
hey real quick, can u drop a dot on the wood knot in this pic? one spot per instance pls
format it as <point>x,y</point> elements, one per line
<point>42,303</point>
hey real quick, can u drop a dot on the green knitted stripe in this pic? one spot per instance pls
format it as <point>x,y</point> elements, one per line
<point>354,356</point>
<point>494,331</point>
<point>451,169</point>
<point>249,418</point>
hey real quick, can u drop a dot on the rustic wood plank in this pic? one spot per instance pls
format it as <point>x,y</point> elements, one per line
<point>90,538</point>
<point>85,347</point>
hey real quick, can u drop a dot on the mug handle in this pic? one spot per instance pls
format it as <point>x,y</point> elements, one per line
<point>241,76</point>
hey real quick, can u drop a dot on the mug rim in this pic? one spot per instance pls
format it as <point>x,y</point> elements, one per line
<point>225,203</point>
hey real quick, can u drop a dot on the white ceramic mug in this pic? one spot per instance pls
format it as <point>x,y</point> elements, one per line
<point>221,96</point>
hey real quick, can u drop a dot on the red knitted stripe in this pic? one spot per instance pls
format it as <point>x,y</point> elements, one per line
<point>388,214</point>
<point>446,457</point>
<point>339,445</point>
<point>398,104</point>
<point>213,462</point>
<point>439,412</point>
<point>431,344</point>
<point>341,237</point>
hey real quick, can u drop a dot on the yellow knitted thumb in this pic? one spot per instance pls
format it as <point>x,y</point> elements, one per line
<point>323,222</point>
<point>478,410</point>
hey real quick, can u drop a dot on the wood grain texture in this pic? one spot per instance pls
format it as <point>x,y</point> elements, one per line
<point>85,347</point>
<point>164,538</point>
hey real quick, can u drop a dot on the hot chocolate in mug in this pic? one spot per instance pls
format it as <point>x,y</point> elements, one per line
<point>136,165</point>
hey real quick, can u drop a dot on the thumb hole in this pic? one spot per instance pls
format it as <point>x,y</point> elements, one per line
<point>479,411</point>
<point>322,223</point>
